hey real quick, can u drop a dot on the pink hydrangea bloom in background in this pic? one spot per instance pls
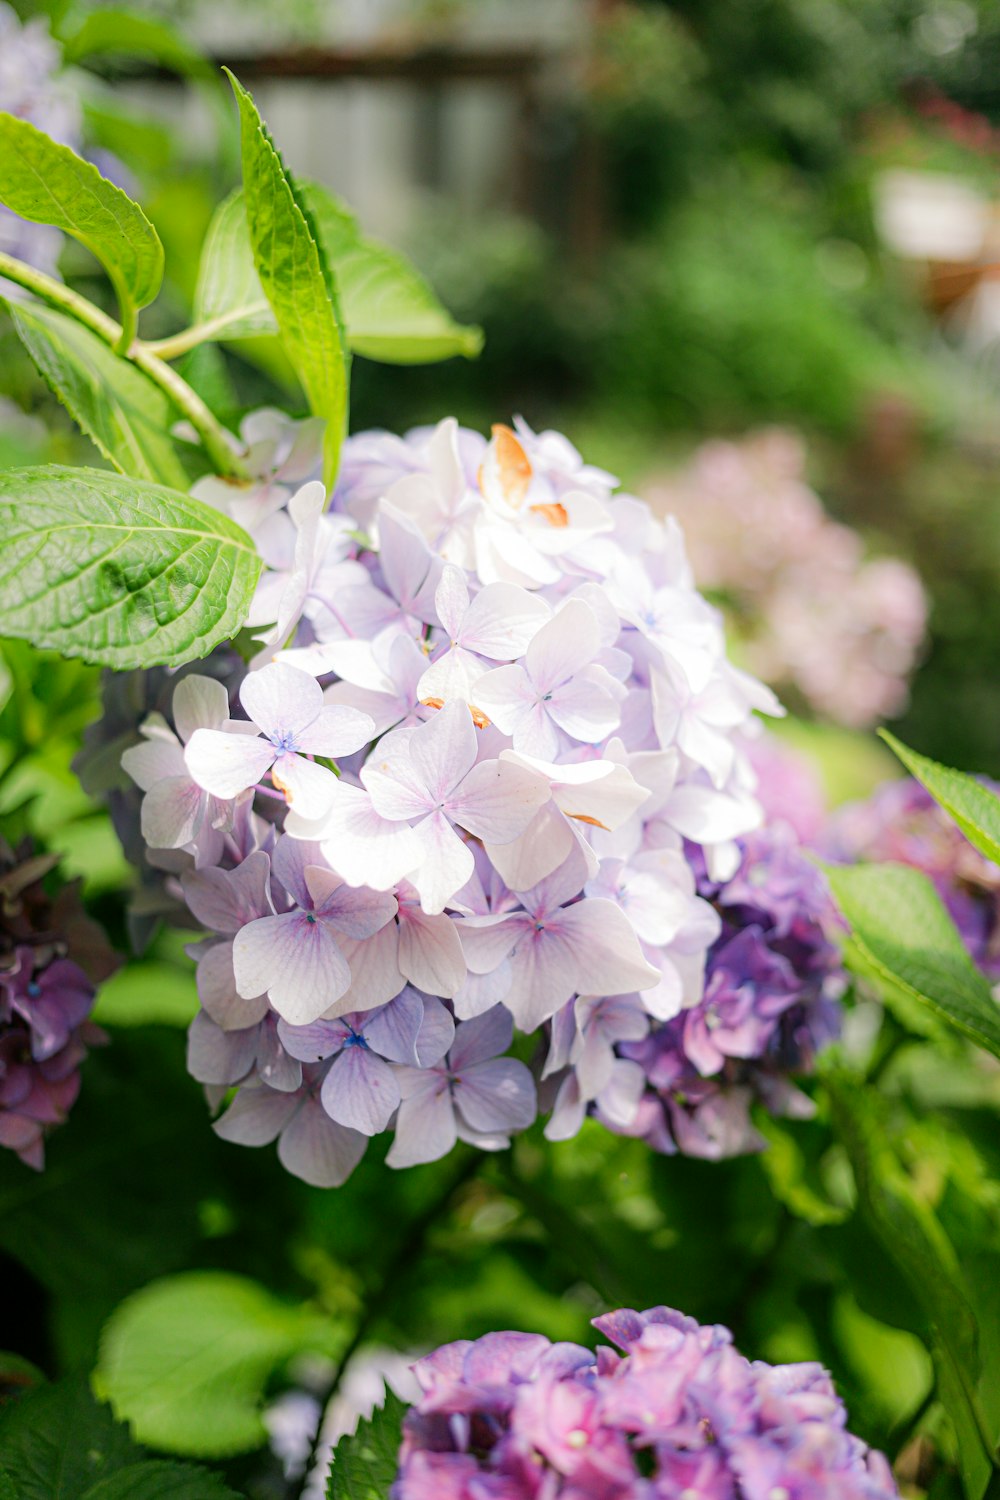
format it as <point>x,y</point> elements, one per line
<point>789,787</point>
<point>492,743</point>
<point>678,1413</point>
<point>816,614</point>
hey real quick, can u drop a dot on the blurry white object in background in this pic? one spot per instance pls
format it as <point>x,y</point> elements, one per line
<point>931,216</point>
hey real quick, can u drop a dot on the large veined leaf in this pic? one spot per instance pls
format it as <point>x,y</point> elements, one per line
<point>390,311</point>
<point>186,1360</point>
<point>295,279</point>
<point>913,1237</point>
<point>120,409</point>
<point>906,937</point>
<point>156,1480</point>
<point>365,1462</point>
<point>58,1443</point>
<point>974,807</point>
<point>48,183</point>
<point>117,570</point>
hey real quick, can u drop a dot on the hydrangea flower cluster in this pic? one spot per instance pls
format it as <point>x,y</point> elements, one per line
<point>678,1413</point>
<point>901,823</point>
<point>31,89</point>
<point>490,724</point>
<point>773,982</point>
<point>816,615</point>
<point>51,958</point>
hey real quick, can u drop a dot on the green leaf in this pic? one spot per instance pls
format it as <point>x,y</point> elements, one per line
<point>119,571</point>
<point>390,311</point>
<point>295,279</point>
<point>147,994</point>
<point>115,31</point>
<point>906,939</point>
<point>157,1480</point>
<point>229,300</point>
<point>912,1236</point>
<point>48,183</point>
<point>973,806</point>
<point>365,1462</point>
<point>59,1442</point>
<point>186,1360</point>
<point>126,415</point>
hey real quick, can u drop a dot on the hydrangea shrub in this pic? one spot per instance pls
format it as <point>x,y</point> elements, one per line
<point>479,765</point>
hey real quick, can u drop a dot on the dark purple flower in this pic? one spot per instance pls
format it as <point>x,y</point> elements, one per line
<point>773,979</point>
<point>51,956</point>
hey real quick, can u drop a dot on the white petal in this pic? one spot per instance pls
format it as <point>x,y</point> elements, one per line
<point>444,863</point>
<point>308,787</point>
<point>498,800</point>
<point>256,1116</point>
<point>199,703</point>
<point>226,764</point>
<point>430,952</point>
<point>281,699</point>
<point>496,1096</point>
<point>607,958</point>
<point>502,620</point>
<point>565,645</point>
<point>315,1148</point>
<point>153,760</point>
<point>360,1091</point>
<point>335,731</point>
<point>172,812</point>
<point>425,1128</point>
<point>296,960</point>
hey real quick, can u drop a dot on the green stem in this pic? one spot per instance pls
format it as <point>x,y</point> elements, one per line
<point>404,1258</point>
<point>56,295</point>
<point>187,401</point>
<point>199,333</point>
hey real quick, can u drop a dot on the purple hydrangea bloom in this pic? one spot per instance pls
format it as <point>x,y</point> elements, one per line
<point>678,1413</point>
<point>470,783</point>
<point>773,979</point>
<point>51,957</point>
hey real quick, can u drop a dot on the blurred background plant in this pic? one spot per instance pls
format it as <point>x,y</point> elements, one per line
<point>677,221</point>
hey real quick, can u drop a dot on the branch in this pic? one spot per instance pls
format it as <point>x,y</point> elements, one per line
<point>187,401</point>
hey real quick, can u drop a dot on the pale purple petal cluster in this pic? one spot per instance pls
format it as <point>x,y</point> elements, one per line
<point>819,618</point>
<point>51,957</point>
<point>31,89</point>
<point>773,981</point>
<point>462,791</point>
<point>900,823</point>
<point>679,1413</point>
